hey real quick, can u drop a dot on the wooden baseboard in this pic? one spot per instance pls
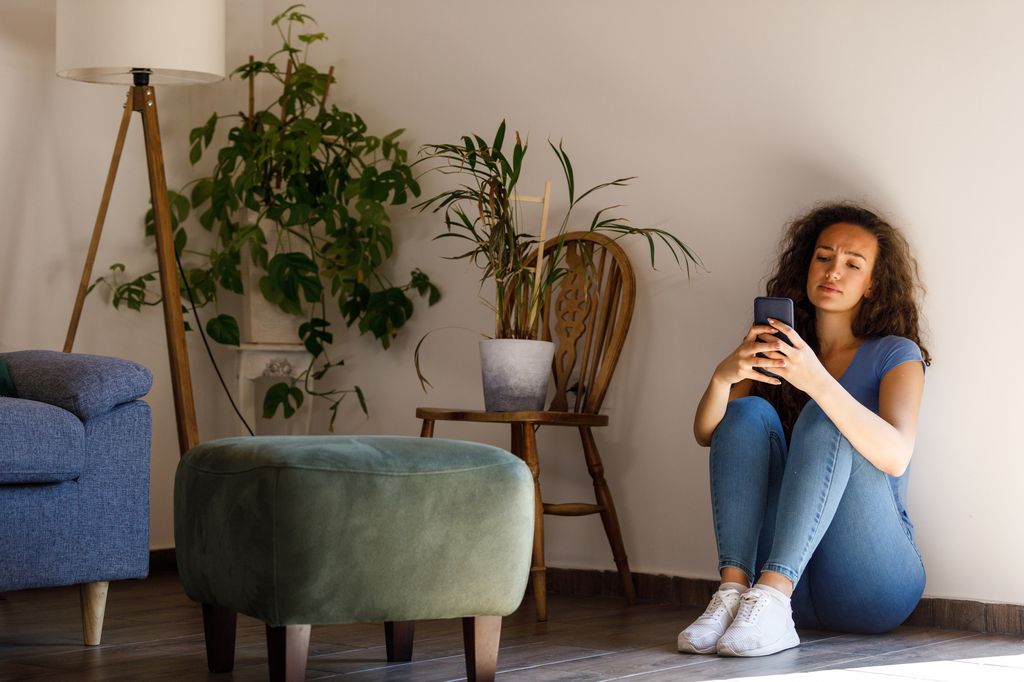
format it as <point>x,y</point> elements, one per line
<point>951,614</point>
<point>932,612</point>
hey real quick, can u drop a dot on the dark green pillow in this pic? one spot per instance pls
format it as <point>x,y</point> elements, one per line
<point>6,385</point>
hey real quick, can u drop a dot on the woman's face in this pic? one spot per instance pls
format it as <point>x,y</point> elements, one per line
<point>840,272</point>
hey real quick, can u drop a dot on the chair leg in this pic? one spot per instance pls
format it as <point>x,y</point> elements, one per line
<point>537,570</point>
<point>608,516</point>
<point>94,604</point>
<point>287,651</point>
<point>516,439</point>
<point>481,635</point>
<point>219,628</point>
<point>427,431</point>
<point>398,636</point>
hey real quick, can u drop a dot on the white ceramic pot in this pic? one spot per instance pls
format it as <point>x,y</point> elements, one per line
<point>516,373</point>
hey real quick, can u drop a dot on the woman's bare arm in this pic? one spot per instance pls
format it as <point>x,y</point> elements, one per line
<point>732,379</point>
<point>885,439</point>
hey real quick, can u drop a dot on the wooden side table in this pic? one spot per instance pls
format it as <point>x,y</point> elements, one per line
<point>255,360</point>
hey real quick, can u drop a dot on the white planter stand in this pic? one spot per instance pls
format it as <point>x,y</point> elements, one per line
<point>263,322</point>
<point>270,345</point>
<point>255,360</point>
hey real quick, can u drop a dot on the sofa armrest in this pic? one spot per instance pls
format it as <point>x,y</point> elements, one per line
<point>85,385</point>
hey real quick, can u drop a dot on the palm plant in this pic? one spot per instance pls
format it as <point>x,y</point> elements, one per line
<point>485,211</point>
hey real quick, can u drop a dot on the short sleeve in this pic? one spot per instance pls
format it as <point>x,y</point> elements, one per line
<point>896,351</point>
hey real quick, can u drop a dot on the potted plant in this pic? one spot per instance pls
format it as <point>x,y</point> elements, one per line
<point>484,211</point>
<point>302,190</point>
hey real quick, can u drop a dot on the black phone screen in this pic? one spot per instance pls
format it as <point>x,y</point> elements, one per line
<point>776,307</point>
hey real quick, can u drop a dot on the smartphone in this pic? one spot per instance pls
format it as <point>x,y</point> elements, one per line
<point>775,307</point>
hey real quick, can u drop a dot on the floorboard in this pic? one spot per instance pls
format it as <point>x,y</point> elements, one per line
<point>153,632</point>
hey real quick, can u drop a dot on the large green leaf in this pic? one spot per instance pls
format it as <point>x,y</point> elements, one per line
<point>223,329</point>
<point>202,192</point>
<point>386,311</point>
<point>288,398</point>
<point>314,335</point>
<point>288,276</point>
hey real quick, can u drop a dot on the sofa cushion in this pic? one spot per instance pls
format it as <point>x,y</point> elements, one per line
<point>86,385</point>
<point>39,443</point>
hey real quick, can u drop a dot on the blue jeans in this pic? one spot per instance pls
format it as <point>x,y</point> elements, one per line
<point>818,513</point>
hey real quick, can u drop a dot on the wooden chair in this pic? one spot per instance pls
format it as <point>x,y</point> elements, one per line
<point>588,317</point>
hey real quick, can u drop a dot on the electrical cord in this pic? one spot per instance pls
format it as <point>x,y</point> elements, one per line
<point>209,351</point>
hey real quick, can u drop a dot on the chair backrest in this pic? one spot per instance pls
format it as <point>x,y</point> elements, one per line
<point>587,315</point>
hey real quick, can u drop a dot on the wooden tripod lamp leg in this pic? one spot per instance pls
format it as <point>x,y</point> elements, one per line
<point>97,229</point>
<point>144,101</point>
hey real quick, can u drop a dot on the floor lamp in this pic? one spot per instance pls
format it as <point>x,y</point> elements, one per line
<point>142,43</point>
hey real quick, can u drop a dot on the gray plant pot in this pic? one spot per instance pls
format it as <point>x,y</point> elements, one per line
<point>515,373</point>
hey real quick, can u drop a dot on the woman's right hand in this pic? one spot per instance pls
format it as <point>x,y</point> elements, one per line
<point>740,364</point>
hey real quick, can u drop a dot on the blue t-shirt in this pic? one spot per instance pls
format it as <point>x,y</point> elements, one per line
<point>863,378</point>
<point>872,361</point>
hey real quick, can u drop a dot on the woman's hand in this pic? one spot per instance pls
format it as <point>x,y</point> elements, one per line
<point>731,377</point>
<point>801,367</point>
<point>740,364</point>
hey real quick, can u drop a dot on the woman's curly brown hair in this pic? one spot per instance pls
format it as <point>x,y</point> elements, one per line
<point>891,309</point>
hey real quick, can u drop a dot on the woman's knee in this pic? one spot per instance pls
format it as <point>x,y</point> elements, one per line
<point>812,416</point>
<point>814,425</point>
<point>751,410</point>
<point>748,422</point>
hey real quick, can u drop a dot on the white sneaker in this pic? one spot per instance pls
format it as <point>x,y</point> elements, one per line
<point>702,636</point>
<point>763,625</point>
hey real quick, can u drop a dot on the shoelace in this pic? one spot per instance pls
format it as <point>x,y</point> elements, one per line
<point>751,603</point>
<point>716,607</point>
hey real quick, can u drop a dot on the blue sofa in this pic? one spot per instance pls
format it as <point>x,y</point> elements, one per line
<point>74,475</point>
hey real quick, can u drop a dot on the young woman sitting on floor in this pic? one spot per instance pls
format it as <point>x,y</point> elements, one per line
<point>809,471</point>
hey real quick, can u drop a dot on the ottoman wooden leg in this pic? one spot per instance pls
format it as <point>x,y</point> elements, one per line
<point>287,651</point>
<point>481,635</point>
<point>398,638</point>
<point>219,628</point>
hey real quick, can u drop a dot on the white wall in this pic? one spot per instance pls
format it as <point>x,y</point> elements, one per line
<point>736,116</point>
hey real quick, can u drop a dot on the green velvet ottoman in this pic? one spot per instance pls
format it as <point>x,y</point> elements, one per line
<point>304,530</point>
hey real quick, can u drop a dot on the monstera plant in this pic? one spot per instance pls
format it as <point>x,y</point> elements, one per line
<point>305,189</point>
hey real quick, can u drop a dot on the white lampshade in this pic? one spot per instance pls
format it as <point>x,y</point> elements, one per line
<point>178,41</point>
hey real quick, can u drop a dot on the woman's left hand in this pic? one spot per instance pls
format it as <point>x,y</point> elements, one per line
<point>803,369</point>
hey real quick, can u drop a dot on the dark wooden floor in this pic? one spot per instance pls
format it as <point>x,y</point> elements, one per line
<point>153,632</point>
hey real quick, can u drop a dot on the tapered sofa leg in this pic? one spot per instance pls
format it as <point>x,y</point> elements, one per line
<point>94,605</point>
<point>481,635</point>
